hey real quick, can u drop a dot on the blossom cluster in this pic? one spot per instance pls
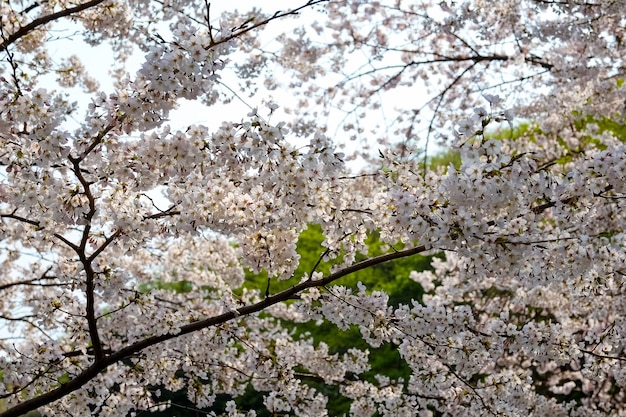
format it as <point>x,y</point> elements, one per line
<point>125,241</point>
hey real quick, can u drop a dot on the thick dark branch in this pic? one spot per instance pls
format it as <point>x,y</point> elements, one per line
<point>81,249</point>
<point>35,24</point>
<point>90,309</point>
<point>86,261</point>
<point>21,318</point>
<point>598,355</point>
<point>32,7</point>
<point>66,241</point>
<point>102,247</point>
<point>100,365</point>
<point>537,61</point>
<point>567,3</point>
<point>169,212</point>
<point>32,283</point>
<point>20,218</point>
<point>289,293</point>
<point>96,141</point>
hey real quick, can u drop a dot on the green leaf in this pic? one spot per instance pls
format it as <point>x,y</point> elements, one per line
<point>64,379</point>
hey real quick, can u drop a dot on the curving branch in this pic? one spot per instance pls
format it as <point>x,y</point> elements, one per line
<point>37,23</point>
<point>101,363</point>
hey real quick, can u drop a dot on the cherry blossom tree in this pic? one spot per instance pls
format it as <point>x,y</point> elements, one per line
<point>102,195</point>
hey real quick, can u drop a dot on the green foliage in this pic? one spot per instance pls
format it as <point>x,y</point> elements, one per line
<point>604,124</point>
<point>157,284</point>
<point>530,131</point>
<point>444,159</point>
<point>511,133</point>
<point>391,277</point>
<point>64,379</point>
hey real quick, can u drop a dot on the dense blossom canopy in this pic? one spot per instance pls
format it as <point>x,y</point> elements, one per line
<point>101,197</point>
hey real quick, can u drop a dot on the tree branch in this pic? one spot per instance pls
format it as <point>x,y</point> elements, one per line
<point>100,365</point>
<point>90,274</point>
<point>32,281</point>
<point>243,29</point>
<point>35,24</point>
<point>20,218</point>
